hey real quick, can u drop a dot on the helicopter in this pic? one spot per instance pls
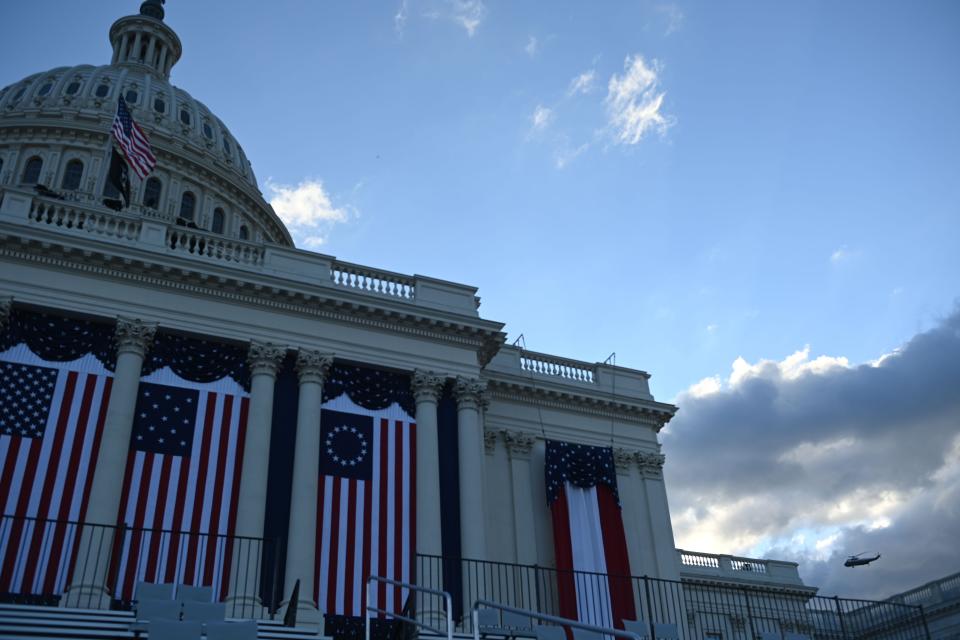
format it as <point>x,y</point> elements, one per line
<point>860,560</point>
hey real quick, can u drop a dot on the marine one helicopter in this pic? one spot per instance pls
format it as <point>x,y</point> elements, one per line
<point>860,559</point>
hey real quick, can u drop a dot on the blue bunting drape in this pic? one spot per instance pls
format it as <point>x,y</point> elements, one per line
<point>60,339</point>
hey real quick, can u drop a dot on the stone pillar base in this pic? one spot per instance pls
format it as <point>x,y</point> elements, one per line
<point>308,616</point>
<point>86,596</point>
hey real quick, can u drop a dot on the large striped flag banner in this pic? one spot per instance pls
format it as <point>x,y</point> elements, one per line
<point>593,568</point>
<point>181,484</point>
<point>51,422</point>
<point>366,512</point>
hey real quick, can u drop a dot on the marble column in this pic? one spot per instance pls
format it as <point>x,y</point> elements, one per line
<point>264,359</point>
<point>633,500</point>
<point>312,367</point>
<point>519,446</point>
<point>658,512</point>
<point>426,389</point>
<point>473,542</point>
<point>89,588</point>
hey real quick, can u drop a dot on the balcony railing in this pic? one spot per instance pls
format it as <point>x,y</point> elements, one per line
<point>698,610</point>
<point>40,560</point>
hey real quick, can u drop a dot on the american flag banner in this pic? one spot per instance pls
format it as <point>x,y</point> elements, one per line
<point>366,512</point>
<point>133,141</point>
<point>51,422</point>
<point>593,567</point>
<point>181,484</point>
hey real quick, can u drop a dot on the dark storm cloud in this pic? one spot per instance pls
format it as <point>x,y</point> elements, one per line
<point>869,454</point>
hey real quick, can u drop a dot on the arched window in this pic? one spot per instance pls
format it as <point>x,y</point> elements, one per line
<point>102,91</point>
<point>151,193</point>
<point>207,131</point>
<point>31,172</point>
<point>218,217</point>
<point>72,88</point>
<point>45,89</point>
<point>159,105</point>
<point>72,176</point>
<point>244,232</point>
<point>185,116</point>
<point>132,96</point>
<point>187,204</point>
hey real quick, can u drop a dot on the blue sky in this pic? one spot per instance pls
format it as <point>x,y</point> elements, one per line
<point>683,183</point>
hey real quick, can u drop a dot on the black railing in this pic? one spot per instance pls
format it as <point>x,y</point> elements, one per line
<point>98,566</point>
<point>699,609</point>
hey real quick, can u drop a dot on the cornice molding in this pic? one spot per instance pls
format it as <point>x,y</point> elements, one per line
<point>483,341</point>
<point>582,403</point>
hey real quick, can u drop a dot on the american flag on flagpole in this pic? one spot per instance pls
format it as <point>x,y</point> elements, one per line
<point>182,483</point>
<point>51,422</point>
<point>133,141</point>
<point>366,512</point>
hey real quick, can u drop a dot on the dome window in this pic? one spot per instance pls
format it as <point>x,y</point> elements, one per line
<point>207,131</point>
<point>151,193</point>
<point>31,171</point>
<point>188,203</point>
<point>185,117</point>
<point>72,88</point>
<point>159,105</point>
<point>226,145</point>
<point>102,91</point>
<point>72,176</point>
<point>132,96</point>
<point>18,94</point>
<point>244,232</point>
<point>218,219</point>
<point>45,89</point>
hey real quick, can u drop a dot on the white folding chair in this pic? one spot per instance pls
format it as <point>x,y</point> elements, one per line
<point>204,611</point>
<point>639,627</point>
<point>153,591</point>
<point>172,630</point>
<point>190,593</point>
<point>245,630</point>
<point>544,632</point>
<point>516,621</point>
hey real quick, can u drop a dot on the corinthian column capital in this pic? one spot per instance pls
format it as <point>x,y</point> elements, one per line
<point>519,444</point>
<point>624,459</point>
<point>651,464</point>
<point>264,357</point>
<point>469,392</point>
<point>134,336</point>
<point>426,385</point>
<point>312,366</point>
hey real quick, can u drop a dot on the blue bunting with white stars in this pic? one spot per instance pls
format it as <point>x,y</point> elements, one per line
<point>581,465</point>
<point>197,359</point>
<point>60,339</point>
<point>372,389</point>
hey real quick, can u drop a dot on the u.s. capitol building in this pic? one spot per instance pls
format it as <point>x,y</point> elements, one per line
<point>223,409</point>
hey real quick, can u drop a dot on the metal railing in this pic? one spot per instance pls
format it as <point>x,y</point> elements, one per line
<point>420,624</point>
<point>94,566</point>
<point>566,622</point>
<point>698,607</point>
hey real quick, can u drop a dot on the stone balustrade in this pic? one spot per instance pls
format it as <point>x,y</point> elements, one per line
<point>367,279</point>
<point>65,216</point>
<point>213,246</point>
<point>694,564</point>
<point>547,365</point>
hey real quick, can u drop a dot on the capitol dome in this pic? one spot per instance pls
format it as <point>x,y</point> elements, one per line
<point>55,133</point>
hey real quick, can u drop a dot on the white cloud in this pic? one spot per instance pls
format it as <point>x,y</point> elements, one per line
<point>582,83</point>
<point>843,254</point>
<point>706,387</point>
<point>673,17</point>
<point>541,118</point>
<point>634,102</point>
<point>712,328</point>
<point>533,46</point>
<point>307,210</point>
<point>400,19</point>
<point>565,154</point>
<point>468,14</point>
